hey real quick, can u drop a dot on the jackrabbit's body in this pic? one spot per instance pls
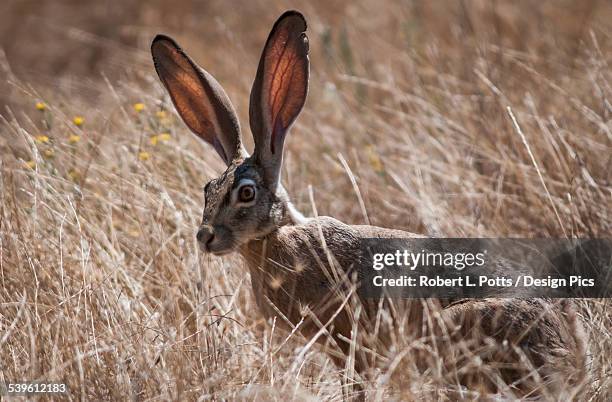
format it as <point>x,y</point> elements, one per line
<point>295,278</point>
<point>303,269</point>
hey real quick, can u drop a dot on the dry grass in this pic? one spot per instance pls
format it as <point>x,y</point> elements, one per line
<point>101,282</point>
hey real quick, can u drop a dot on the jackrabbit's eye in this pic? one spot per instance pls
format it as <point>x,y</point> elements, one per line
<point>246,193</point>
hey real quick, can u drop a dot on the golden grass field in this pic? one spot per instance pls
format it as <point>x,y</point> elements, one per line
<point>102,284</point>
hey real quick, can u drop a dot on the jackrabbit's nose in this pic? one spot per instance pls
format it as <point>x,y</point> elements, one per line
<point>205,235</point>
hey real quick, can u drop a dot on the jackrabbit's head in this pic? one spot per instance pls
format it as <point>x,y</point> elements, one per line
<point>247,201</point>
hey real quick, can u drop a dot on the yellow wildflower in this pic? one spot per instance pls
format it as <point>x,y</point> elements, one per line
<point>374,160</point>
<point>144,156</point>
<point>161,114</point>
<point>139,107</point>
<point>42,139</point>
<point>73,139</point>
<point>41,106</point>
<point>48,153</point>
<point>78,121</point>
<point>163,137</point>
<point>31,164</point>
<point>73,174</point>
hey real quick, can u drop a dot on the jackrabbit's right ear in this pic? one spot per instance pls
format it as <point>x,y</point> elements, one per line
<point>279,91</point>
<point>198,97</point>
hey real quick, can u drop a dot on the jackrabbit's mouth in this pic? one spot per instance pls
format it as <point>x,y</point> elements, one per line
<point>217,249</point>
<point>221,252</point>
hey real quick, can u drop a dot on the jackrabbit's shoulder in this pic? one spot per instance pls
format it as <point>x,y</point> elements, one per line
<point>311,229</point>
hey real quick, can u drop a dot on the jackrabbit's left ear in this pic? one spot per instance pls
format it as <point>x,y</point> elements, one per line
<point>279,91</point>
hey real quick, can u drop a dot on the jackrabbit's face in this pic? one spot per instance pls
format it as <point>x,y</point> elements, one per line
<point>247,201</point>
<point>239,207</point>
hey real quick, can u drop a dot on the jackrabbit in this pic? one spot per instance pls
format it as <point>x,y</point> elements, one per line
<point>299,266</point>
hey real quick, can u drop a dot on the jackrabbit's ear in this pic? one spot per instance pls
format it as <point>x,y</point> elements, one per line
<point>279,91</point>
<point>198,98</point>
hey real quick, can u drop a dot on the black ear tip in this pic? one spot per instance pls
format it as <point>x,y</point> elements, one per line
<point>160,41</point>
<point>296,16</point>
<point>294,13</point>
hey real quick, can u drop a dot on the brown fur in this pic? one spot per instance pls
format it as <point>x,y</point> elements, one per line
<point>290,270</point>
